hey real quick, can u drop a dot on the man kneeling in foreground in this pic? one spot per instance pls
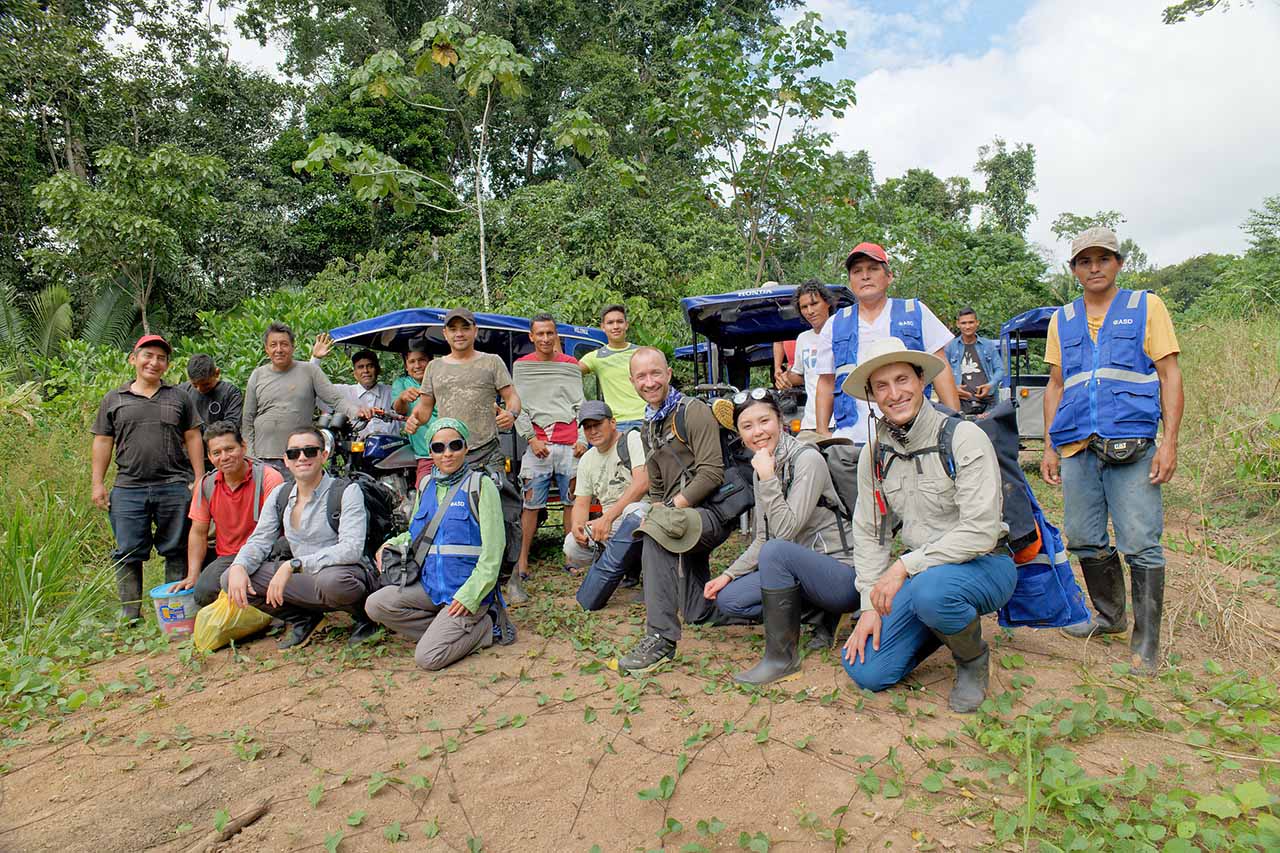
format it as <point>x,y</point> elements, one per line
<point>957,566</point>
<point>447,608</point>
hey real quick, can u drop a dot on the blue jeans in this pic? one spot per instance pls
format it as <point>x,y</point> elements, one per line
<point>824,581</point>
<point>620,553</point>
<point>146,516</point>
<point>944,599</point>
<point>741,597</point>
<point>623,426</point>
<point>1092,489</point>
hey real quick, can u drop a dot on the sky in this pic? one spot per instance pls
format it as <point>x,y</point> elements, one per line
<point>1177,127</point>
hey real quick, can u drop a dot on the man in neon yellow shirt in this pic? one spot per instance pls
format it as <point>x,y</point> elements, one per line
<point>611,365</point>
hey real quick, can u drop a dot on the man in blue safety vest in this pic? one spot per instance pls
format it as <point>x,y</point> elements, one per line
<point>1114,375</point>
<point>874,317</point>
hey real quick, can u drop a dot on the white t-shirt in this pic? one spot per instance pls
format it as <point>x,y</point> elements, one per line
<point>936,336</point>
<point>812,359</point>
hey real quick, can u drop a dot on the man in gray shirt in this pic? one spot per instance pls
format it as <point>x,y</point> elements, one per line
<point>327,570</point>
<point>281,395</point>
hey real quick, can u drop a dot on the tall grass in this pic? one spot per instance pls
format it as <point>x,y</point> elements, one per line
<point>1230,441</point>
<point>54,577</point>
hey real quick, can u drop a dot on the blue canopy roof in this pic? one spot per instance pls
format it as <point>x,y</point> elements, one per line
<point>1034,323</point>
<point>507,337</point>
<point>759,315</point>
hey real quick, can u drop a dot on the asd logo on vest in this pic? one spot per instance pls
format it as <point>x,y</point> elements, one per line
<point>1125,321</point>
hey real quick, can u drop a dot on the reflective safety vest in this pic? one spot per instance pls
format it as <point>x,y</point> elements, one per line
<point>906,323</point>
<point>1110,388</point>
<point>455,550</point>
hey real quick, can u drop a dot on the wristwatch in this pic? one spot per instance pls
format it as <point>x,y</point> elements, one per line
<point>296,565</point>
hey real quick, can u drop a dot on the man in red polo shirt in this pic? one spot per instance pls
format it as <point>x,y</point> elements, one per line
<point>230,497</point>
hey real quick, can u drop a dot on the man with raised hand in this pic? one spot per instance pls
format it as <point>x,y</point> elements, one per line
<point>154,430</point>
<point>1113,377</point>
<point>852,330</point>
<point>550,387</point>
<point>956,564</point>
<point>611,365</point>
<point>686,466</point>
<point>326,570</point>
<point>281,396</point>
<point>975,365</point>
<point>366,391</point>
<point>612,473</point>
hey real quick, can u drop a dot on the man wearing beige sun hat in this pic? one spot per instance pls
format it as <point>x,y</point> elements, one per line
<point>957,564</point>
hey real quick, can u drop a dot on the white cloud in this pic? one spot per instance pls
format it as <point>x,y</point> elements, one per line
<point>1178,127</point>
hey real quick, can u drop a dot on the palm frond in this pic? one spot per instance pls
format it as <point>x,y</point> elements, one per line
<point>111,319</point>
<point>49,320</point>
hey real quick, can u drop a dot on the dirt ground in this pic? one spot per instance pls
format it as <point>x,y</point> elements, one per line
<point>540,746</point>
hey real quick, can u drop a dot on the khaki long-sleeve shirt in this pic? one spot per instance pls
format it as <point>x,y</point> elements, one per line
<point>943,521</point>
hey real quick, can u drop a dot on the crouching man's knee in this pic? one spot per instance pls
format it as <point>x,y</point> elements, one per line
<point>870,675</point>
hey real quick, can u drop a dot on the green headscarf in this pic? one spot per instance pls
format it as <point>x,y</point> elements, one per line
<point>460,428</point>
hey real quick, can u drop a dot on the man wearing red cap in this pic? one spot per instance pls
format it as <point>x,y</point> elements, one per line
<point>154,429</point>
<point>852,330</point>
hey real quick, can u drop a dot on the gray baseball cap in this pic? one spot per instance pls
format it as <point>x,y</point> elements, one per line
<point>1096,237</point>
<point>460,314</point>
<point>594,410</point>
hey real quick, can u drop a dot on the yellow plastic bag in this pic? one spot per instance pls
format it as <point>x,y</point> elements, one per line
<point>224,621</point>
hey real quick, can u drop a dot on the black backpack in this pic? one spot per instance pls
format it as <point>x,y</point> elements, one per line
<point>379,505</point>
<point>736,494</point>
<point>512,510</point>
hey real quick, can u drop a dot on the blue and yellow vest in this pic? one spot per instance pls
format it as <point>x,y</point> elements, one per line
<point>906,323</point>
<point>456,548</point>
<point>1110,388</point>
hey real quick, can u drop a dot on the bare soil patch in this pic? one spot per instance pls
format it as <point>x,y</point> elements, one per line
<point>540,746</point>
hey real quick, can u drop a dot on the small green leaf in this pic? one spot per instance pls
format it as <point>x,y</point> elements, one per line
<point>356,818</point>
<point>474,844</point>
<point>681,763</point>
<point>932,783</point>
<point>394,833</point>
<point>710,827</point>
<point>419,782</point>
<point>314,795</point>
<point>425,751</point>
<point>220,818</point>
<point>589,715</point>
<point>762,736</point>
<point>332,840</point>
<point>803,743</point>
<point>75,700</point>
<point>432,829</point>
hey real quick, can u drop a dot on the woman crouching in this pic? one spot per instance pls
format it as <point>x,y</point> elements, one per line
<point>802,551</point>
<point>449,608</point>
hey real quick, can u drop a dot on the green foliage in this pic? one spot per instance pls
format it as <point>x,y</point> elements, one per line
<point>1010,179</point>
<point>136,221</point>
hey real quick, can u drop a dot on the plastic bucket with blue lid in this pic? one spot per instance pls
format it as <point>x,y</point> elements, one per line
<point>175,609</point>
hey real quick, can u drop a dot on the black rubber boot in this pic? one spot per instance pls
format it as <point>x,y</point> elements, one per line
<point>973,667</point>
<point>129,585</point>
<point>1104,578</point>
<point>175,569</point>
<point>1148,610</point>
<point>824,631</point>
<point>781,610</point>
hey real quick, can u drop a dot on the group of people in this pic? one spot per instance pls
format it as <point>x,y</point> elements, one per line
<point>290,538</point>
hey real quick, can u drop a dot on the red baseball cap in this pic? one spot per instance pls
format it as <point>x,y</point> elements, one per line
<point>874,251</point>
<point>153,341</point>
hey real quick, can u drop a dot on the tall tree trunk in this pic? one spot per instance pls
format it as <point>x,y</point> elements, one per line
<point>484,138</point>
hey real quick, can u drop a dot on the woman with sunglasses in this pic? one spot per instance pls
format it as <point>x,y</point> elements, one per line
<point>450,606</point>
<point>796,505</point>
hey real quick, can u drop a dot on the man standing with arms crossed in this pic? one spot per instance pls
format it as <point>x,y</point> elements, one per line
<point>154,430</point>
<point>876,316</point>
<point>1114,375</point>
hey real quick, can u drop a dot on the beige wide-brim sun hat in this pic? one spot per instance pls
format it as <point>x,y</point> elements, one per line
<point>889,351</point>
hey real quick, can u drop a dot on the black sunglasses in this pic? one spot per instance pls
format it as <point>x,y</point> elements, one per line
<point>453,446</point>
<point>754,394</point>
<point>311,451</point>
